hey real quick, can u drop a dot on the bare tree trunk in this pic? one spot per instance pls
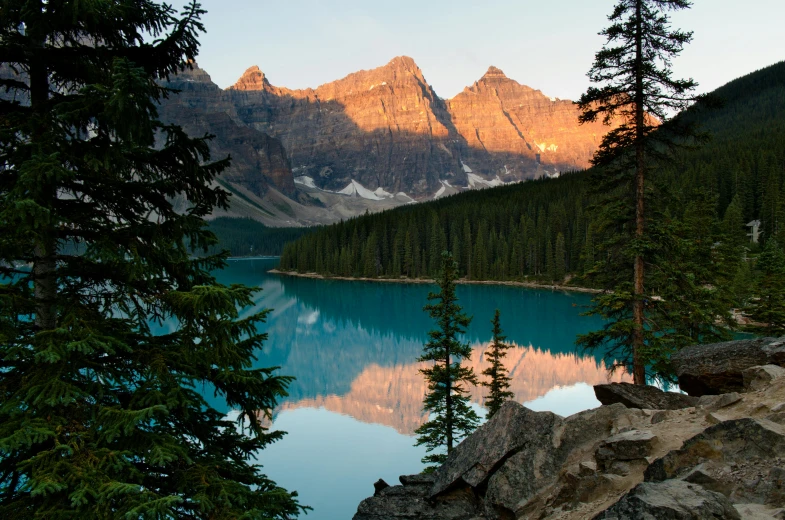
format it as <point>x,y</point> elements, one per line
<point>448,402</point>
<point>44,276</point>
<point>639,368</point>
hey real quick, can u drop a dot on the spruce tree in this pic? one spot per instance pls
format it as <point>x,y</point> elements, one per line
<point>768,305</point>
<point>636,92</point>
<point>100,416</point>
<point>498,381</point>
<point>447,402</point>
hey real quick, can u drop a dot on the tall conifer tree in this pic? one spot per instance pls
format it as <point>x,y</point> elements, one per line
<point>100,417</point>
<point>450,416</point>
<point>636,91</point>
<point>498,381</point>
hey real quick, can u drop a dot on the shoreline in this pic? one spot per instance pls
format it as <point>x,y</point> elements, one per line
<point>428,281</point>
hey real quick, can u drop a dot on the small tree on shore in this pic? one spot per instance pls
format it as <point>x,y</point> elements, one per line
<point>498,381</point>
<point>451,418</point>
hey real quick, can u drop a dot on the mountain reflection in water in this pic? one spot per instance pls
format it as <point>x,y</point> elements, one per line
<point>353,348</point>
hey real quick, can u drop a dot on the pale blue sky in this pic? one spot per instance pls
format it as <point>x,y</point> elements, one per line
<point>548,45</point>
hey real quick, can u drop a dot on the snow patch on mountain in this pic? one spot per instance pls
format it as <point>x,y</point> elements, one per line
<point>356,189</point>
<point>305,181</point>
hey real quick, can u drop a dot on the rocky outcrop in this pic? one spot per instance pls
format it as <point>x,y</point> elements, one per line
<point>671,500</point>
<point>512,130</point>
<point>387,131</point>
<point>723,457</point>
<point>642,396</point>
<point>718,368</point>
<point>259,161</point>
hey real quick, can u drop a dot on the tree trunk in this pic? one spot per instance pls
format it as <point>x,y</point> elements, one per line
<point>44,276</point>
<point>639,368</point>
<point>448,400</point>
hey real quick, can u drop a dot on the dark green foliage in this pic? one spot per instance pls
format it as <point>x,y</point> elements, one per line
<point>498,381</point>
<point>768,308</point>
<point>747,149</point>
<point>450,415</point>
<point>248,237</point>
<point>100,417</point>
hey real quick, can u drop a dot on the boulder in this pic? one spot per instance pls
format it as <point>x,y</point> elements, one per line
<point>734,456</point>
<point>758,378</point>
<point>411,501</point>
<point>642,396</point>
<point>378,486</point>
<point>628,446</point>
<point>537,465</point>
<point>671,500</point>
<point>712,403</point>
<point>512,429</point>
<point>717,368</point>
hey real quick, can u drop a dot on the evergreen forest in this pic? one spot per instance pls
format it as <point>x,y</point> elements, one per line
<point>544,230</point>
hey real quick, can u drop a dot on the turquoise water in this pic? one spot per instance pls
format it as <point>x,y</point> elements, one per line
<point>357,398</point>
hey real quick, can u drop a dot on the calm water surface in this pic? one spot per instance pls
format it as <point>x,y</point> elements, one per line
<point>357,399</point>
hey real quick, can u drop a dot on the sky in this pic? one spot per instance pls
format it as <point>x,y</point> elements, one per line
<point>547,45</point>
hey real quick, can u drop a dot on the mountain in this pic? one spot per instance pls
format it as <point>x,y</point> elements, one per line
<point>542,230</point>
<point>376,139</point>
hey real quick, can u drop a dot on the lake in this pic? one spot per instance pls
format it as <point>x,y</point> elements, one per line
<point>357,399</point>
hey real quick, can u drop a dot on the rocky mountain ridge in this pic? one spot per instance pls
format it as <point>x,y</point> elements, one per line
<point>382,137</point>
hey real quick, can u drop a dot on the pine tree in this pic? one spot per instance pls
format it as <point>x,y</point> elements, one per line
<point>768,308</point>
<point>636,91</point>
<point>100,417</point>
<point>498,381</point>
<point>447,402</point>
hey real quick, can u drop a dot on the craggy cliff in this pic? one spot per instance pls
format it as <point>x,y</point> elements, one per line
<point>645,454</point>
<point>382,135</point>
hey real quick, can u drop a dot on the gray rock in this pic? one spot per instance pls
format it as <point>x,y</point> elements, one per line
<point>378,486</point>
<point>659,416</point>
<point>670,500</point>
<point>734,453</point>
<point>538,463</point>
<point>627,446</point>
<point>420,479</point>
<point>778,418</point>
<point>717,368</point>
<point>703,475</point>
<point>512,429</point>
<point>758,378</point>
<point>712,403</point>
<point>779,408</point>
<point>775,494</point>
<point>587,468</point>
<point>759,512</point>
<point>642,396</point>
<point>412,502</point>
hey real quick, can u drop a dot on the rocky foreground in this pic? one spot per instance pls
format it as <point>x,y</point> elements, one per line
<point>717,453</point>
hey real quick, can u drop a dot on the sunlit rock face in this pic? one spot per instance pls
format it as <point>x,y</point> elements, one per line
<point>393,396</point>
<point>383,128</point>
<point>387,128</point>
<point>512,129</point>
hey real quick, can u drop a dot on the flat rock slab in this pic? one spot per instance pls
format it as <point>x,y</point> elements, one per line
<point>631,445</point>
<point>642,396</point>
<point>511,429</point>
<point>758,378</point>
<point>671,500</point>
<point>712,403</point>
<point>717,368</point>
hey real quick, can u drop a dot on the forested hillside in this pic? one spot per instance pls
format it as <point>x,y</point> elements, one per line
<point>544,230</point>
<point>247,237</point>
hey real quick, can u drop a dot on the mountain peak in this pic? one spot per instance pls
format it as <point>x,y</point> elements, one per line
<point>494,73</point>
<point>252,79</point>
